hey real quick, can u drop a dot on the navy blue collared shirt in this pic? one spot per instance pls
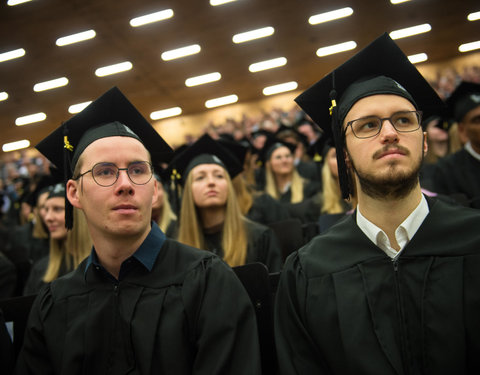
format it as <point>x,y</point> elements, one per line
<point>146,254</point>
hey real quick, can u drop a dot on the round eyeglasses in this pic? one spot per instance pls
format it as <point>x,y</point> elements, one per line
<point>106,174</point>
<point>370,126</point>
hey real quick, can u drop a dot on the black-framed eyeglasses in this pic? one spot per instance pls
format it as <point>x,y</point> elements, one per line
<point>370,126</point>
<point>106,174</point>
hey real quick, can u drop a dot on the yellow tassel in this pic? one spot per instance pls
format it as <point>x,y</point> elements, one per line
<point>334,104</point>
<point>66,144</point>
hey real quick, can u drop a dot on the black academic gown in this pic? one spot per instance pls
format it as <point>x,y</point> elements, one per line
<point>344,307</point>
<point>458,173</point>
<point>263,245</point>
<point>188,315</point>
<point>266,210</point>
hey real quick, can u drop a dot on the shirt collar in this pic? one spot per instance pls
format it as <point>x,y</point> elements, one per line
<point>146,254</point>
<point>471,151</point>
<point>403,234</point>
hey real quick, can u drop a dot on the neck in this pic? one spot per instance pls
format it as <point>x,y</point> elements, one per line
<point>388,214</point>
<point>112,251</point>
<point>212,216</point>
<point>281,180</point>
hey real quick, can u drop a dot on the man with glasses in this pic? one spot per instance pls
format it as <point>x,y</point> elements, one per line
<point>393,288</point>
<point>140,303</point>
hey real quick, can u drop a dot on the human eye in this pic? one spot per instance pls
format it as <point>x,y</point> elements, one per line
<point>366,125</point>
<point>138,169</point>
<point>405,119</point>
<point>104,170</point>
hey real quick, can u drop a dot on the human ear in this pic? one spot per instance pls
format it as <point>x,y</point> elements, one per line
<point>425,143</point>
<point>73,194</point>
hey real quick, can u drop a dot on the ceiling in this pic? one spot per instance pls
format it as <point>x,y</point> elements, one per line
<point>154,84</point>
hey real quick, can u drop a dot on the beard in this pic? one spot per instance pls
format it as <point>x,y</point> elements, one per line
<point>392,183</point>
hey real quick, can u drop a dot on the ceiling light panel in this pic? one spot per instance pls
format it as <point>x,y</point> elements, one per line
<point>3,96</point>
<point>10,55</point>
<point>253,34</point>
<point>394,2</point>
<point>164,113</point>
<point>467,47</point>
<point>17,2</point>
<point>76,108</point>
<point>205,78</point>
<point>52,84</point>
<point>330,16</point>
<point>418,58</point>
<point>267,64</point>
<point>220,2</point>
<point>224,100</point>
<point>113,69</point>
<point>410,31</point>
<point>181,52</point>
<point>282,87</point>
<point>18,145</point>
<point>29,119</point>
<point>151,18</point>
<point>75,38</point>
<point>336,48</point>
<point>474,16</point>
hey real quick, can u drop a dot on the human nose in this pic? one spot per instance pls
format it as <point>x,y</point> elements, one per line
<point>123,183</point>
<point>388,132</point>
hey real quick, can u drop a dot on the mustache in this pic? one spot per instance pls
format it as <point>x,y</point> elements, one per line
<point>387,148</point>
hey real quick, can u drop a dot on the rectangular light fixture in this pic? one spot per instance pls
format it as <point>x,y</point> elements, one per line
<point>10,55</point>
<point>330,16</point>
<point>336,48</point>
<point>17,2</point>
<point>214,3</point>
<point>282,87</point>
<point>164,113</point>
<point>113,69</point>
<point>410,31</point>
<point>253,34</point>
<point>474,16</point>
<point>200,80</point>
<point>181,52</point>
<point>469,46</point>
<point>398,1</point>
<point>267,64</point>
<point>75,108</point>
<point>3,96</point>
<point>419,57</point>
<point>224,100</point>
<point>52,84</point>
<point>28,119</point>
<point>152,17</point>
<point>18,145</point>
<point>75,38</point>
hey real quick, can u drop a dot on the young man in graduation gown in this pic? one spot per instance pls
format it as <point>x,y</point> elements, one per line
<point>394,287</point>
<point>459,173</point>
<point>140,303</point>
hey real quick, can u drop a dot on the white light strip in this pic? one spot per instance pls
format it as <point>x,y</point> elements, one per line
<point>16,2</point>
<point>113,69</point>
<point>474,16</point>
<point>398,1</point>
<point>419,57</point>
<point>16,53</point>
<point>469,46</point>
<point>75,108</point>
<point>330,16</point>
<point>267,64</point>
<point>12,146</point>
<point>253,34</point>
<point>224,100</point>
<point>181,52</point>
<point>52,84</point>
<point>409,31</point>
<point>336,48</point>
<point>3,96</point>
<point>282,87</point>
<point>220,2</point>
<point>75,38</point>
<point>169,112</point>
<point>200,80</point>
<point>36,117</point>
<point>152,17</point>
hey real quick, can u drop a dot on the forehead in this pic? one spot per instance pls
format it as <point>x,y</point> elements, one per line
<point>281,151</point>
<point>55,201</point>
<point>205,168</point>
<point>378,105</point>
<point>115,149</point>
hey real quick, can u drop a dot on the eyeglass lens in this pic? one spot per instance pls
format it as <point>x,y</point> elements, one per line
<point>370,126</point>
<point>106,174</point>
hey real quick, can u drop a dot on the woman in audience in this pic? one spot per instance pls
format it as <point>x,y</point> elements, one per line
<point>67,248</point>
<point>162,212</point>
<point>210,217</point>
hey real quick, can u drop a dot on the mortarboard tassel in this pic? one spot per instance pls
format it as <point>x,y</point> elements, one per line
<point>67,150</point>
<point>338,139</point>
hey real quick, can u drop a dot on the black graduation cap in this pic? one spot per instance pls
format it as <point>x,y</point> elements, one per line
<point>271,145</point>
<point>111,114</point>
<point>237,149</point>
<point>465,98</point>
<point>204,151</point>
<point>289,130</point>
<point>57,191</point>
<point>380,68</point>
<point>44,184</point>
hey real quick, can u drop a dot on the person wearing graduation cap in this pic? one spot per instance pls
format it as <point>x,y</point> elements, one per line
<point>392,288</point>
<point>459,173</point>
<point>210,217</point>
<point>140,303</point>
<point>67,248</point>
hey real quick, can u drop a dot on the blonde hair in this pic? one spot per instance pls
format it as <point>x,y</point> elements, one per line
<point>72,249</point>
<point>296,185</point>
<point>234,233</point>
<point>332,197</point>
<point>166,213</point>
<point>243,194</point>
<point>39,230</point>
